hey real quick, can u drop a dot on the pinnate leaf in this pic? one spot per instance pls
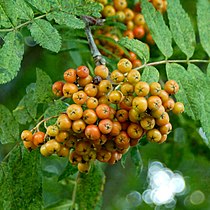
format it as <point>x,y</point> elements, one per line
<point>159,30</point>
<point>136,46</point>
<point>181,27</point>
<point>89,188</point>
<point>45,35</point>
<point>203,17</point>
<point>43,91</point>
<point>69,20</point>
<point>11,55</point>
<point>9,129</point>
<point>150,74</point>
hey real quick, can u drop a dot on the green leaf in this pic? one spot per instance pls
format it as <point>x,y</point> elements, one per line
<point>187,93</point>
<point>89,188</point>
<point>159,30</point>
<point>11,55</point>
<point>43,91</point>
<point>69,20</point>
<point>136,159</point>
<point>203,17</point>
<point>9,129</point>
<point>136,46</point>
<point>24,11</point>
<point>20,112</point>
<point>27,108</point>
<point>208,71</point>
<point>82,7</point>
<point>45,35</point>
<point>54,109</point>
<point>22,186</point>
<point>123,159</point>
<point>181,27</point>
<point>150,74</point>
<point>8,13</point>
<point>30,100</point>
<point>41,5</point>
<point>68,171</point>
<point>203,99</point>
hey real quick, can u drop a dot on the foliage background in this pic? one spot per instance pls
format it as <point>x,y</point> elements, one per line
<point>185,151</point>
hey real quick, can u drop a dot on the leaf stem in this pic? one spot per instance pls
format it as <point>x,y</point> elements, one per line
<point>75,192</point>
<point>171,61</point>
<point>23,24</point>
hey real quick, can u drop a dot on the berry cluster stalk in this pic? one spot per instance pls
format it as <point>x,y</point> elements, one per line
<point>90,21</point>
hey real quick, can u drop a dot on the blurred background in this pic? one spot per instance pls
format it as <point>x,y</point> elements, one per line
<point>173,175</point>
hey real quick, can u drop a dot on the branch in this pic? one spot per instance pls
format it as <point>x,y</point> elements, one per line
<point>171,61</point>
<point>23,24</point>
<point>89,21</point>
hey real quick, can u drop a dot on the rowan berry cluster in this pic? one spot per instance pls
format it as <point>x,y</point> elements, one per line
<point>110,112</point>
<point>133,19</point>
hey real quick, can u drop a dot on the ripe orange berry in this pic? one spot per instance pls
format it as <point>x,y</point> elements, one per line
<point>26,135</point>
<point>69,89</point>
<point>70,75</point>
<point>101,71</point>
<point>171,87</point>
<point>124,65</point>
<point>57,88</point>
<point>178,108</point>
<point>120,4</point>
<point>74,112</point>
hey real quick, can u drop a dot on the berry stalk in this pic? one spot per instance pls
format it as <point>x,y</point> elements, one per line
<point>90,21</point>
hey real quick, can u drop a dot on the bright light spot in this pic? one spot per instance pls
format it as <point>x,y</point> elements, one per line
<point>161,178</point>
<point>162,195</point>
<point>177,183</point>
<point>197,197</point>
<point>164,185</point>
<point>146,196</point>
<point>154,167</point>
<point>171,204</point>
<point>203,135</point>
<point>134,199</point>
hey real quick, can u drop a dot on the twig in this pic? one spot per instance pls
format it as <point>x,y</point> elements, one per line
<point>22,25</point>
<point>89,21</point>
<point>75,192</point>
<point>171,61</point>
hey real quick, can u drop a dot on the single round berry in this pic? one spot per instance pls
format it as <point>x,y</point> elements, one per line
<point>124,65</point>
<point>171,87</point>
<point>178,108</point>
